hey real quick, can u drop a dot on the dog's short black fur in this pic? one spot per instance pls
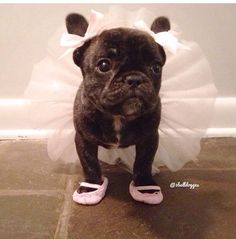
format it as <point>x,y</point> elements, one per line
<point>118,102</point>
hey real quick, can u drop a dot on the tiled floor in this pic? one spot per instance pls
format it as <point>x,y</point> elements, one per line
<point>35,198</point>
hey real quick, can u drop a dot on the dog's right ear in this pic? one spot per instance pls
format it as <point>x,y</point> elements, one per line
<point>76,24</point>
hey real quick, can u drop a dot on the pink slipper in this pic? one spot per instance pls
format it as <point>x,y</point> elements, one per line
<point>91,198</point>
<point>149,198</point>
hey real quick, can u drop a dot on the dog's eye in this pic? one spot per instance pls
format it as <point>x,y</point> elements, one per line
<point>104,65</point>
<point>156,69</point>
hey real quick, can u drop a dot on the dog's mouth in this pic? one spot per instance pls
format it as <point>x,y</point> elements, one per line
<point>129,103</point>
<point>131,107</point>
<point>117,96</point>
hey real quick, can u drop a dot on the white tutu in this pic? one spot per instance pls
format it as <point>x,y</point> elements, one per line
<point>187,95</point>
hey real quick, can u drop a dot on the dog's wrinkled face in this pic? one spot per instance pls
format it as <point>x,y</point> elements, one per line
<point>122,71</point>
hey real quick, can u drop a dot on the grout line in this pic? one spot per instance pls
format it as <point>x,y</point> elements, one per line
<point>12,192</point>
<point>63,222</point>
<point>199,169</point>
<point>21,234</point>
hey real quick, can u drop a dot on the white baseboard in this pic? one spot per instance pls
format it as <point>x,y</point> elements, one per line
<point>43,134</point>
<point>221,132</point>
<point>14,122</point>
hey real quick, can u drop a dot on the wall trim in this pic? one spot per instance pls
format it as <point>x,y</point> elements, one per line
<point>43,134</point>
<point>14,123</point>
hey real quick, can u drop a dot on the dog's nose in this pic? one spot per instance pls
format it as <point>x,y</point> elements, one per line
<point>133,80</point>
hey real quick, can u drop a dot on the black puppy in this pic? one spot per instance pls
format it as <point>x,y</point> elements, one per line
<point>118,103</point>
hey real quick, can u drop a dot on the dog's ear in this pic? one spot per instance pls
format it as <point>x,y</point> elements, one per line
<point>160,24</point>
<point>78,54</point>
<point>76,24</point>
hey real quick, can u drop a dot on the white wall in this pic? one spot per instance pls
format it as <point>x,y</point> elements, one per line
<point>25,29</point>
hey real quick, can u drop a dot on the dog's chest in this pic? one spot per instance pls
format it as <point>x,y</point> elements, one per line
<point>117,125</point>
<point>116,128</point>
<point>123,134</point>
<point>117,132</point>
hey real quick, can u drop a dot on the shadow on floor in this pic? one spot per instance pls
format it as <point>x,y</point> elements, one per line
<point>184,213</point>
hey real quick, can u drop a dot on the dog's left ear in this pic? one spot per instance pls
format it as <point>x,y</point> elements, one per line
<point>76,24</point>
<point>160,24</point>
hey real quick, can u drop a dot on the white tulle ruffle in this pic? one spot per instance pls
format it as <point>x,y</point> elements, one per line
<point>187,95</point>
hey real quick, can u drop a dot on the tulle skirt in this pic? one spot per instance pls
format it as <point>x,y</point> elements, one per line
<point>187,95</point>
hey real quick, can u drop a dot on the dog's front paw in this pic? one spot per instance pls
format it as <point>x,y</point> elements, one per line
<point>149,194</point>
<point>89,193</point>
